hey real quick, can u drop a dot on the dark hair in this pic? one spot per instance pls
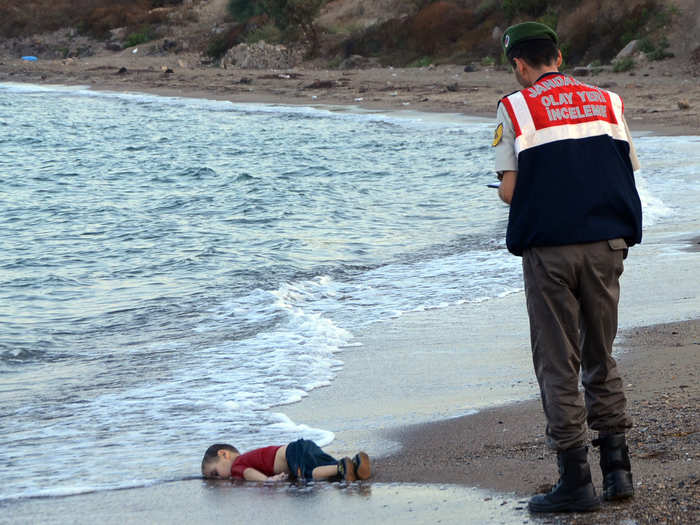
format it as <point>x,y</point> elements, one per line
<point>212,453</point>
<point>540,52</point>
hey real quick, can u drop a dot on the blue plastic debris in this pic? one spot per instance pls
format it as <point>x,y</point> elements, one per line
<point>30,58</point>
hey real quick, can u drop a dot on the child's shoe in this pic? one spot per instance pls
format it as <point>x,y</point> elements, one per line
<point>361,462</point>
<point>346,469</point>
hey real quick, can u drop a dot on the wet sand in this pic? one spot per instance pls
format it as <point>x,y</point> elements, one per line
<point>504,449</point>
<point>198,502</point>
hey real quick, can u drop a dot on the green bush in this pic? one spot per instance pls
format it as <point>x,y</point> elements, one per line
<point>294,18</point>
<point>218,46</point>
<point>549,18</point>
<point>334,63</point>
<point>145,34</point>
<point>646,45</point>
<point>288,13</point>
<point>270,33</point>
<point>622,65</point>
<point>513,8</point>
<point>225,40</point>
<point>421,62</point>
<point>658,51</point>
<point>285,13</point>
<point>243,10</point>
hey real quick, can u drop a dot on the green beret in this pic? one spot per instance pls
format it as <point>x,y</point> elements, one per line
<point>527,31</point>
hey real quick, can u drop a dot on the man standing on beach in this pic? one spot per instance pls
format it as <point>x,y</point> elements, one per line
<point>566,164</point>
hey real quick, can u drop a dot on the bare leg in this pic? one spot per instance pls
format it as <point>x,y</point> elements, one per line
<point>325,472</point>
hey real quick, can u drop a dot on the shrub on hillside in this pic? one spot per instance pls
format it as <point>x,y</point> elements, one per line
<point>655,50</point>
<point>144,34</point>
<point>243,10</point>
<point>623,64</point>
<point>269,33</point>
<point>221,43</point>
<point>528,8</point>
<point>295,18</point>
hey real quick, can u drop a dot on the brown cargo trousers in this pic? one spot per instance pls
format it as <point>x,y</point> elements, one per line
<point>572,294</point>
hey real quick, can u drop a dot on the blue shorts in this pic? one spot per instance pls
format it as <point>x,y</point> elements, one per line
<point>303,456</point>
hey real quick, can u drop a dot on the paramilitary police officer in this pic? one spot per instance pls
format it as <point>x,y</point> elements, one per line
<point>566,164</point>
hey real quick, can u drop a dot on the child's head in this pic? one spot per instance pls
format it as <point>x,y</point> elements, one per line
<point>217,461</point>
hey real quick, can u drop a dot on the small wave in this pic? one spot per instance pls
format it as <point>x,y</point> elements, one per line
<point>654,209</point>
<point>20,353</point>
<point>245,177</point>
<point>22,88</point>
<point>197,173</point>
<point>284,425</point>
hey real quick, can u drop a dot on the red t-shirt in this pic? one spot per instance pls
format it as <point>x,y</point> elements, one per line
<point>261,459</point>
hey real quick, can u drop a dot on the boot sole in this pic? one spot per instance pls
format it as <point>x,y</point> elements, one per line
<point>619,495</point>
<point>569,506</point>
<point>364,468</point>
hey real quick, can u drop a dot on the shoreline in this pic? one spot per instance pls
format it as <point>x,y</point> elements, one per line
<point>657,98</point>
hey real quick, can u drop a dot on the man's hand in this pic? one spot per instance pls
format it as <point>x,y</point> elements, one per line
<point>507,187</point>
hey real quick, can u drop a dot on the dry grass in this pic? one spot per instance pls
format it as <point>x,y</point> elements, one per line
<point>446,29</point>
<point>442,30</point>
<point>598,29</point>
<point>93,17</point>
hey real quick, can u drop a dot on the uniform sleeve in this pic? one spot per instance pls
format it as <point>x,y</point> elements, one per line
<point>633,153</point>
<point>505,146</point>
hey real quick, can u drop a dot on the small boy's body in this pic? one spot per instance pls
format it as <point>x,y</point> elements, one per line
<point>301,459</point>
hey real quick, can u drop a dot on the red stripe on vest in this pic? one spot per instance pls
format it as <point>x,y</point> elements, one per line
<point>509,108</point>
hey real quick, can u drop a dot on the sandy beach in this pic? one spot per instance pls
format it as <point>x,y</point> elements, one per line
<point>503,448</point>
<point>433,460</point>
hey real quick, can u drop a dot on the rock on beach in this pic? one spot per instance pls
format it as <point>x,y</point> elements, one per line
<point>262,55</point>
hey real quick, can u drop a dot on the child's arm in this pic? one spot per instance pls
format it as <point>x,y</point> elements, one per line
<point>251,474</point>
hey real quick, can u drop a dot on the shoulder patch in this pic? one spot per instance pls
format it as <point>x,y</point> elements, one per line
<point>497,135</point>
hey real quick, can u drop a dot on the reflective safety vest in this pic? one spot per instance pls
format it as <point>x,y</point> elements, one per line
<point>575,180</point>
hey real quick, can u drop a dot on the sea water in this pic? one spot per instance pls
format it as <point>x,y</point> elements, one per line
<point>176,270</point>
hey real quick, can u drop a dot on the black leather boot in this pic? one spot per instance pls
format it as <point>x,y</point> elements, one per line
<point>615,464</point>
<point>574,492</point>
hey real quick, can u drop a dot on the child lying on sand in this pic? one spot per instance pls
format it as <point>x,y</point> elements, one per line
<point>301,459</point>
